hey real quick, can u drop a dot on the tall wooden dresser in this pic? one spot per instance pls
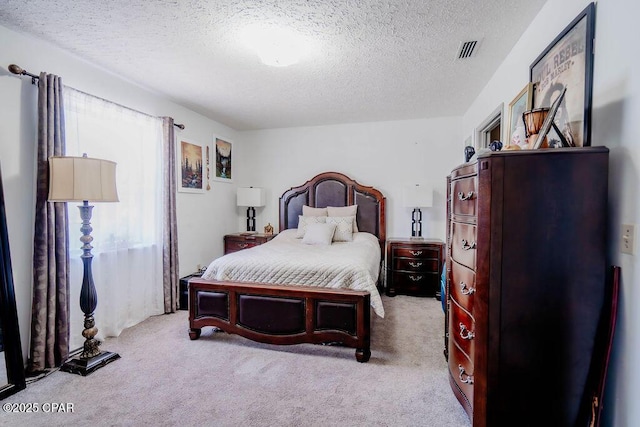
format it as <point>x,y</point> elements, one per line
<point>526,281</point>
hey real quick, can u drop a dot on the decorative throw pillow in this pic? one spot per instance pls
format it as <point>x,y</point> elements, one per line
<point>304,221</point>
<point>344,228</point>
<point>319,234</point>
<point>309,211</point>
<point>345,211</point>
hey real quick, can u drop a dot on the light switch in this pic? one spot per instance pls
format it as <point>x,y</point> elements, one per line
<point>628,239</point>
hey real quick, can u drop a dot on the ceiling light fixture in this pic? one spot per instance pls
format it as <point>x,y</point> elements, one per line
<point>277,47</point>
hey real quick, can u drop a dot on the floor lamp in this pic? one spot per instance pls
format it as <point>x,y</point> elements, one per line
<point>416,197</point>
<point>83,179</point>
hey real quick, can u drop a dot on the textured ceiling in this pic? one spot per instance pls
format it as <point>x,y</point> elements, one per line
<point>371,60</point>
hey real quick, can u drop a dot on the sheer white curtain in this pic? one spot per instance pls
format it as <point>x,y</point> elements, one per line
<point>127,236</point>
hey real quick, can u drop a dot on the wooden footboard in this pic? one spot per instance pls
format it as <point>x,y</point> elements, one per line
<point>282,315</point>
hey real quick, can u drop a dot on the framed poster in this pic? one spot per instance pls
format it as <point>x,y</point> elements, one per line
<point>568,63</point>
<point>190,176</point>
<point>223,169</point>
<point>516,133</point>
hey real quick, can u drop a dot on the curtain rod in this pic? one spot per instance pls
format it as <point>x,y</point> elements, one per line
<point>15,69</point>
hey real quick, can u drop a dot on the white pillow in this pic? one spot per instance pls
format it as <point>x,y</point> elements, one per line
<point>345,211</point>
<point>309,211</point>
<point>319,234</point>
<point>344,228</point>
<point>304,221</point>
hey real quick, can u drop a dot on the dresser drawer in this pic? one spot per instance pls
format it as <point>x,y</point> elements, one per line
<point>464,196</point>
<point>461,369</point>
<point>415,251</point>
<point>462,329</point>
<point>463,244</point>
<point>463,285</point>
<point>422,283</point>
<point>417,265</point>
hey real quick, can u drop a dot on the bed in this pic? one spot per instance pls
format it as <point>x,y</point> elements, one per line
<point>261,307</point>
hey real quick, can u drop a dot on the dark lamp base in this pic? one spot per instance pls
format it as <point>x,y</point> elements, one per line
<point>86,366</point>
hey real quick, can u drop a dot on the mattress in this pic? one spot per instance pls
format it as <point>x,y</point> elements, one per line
<point>286,260</point>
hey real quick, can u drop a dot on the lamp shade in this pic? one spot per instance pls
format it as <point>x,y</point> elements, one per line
<point>417,196</point>
<point>74,179</point>
<point>250,196</point>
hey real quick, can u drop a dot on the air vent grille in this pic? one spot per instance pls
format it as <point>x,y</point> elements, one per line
<point>467,49</point>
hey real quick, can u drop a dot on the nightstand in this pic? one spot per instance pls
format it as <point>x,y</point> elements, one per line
<point>239,241</point>
<point>414,266</point>
<point>184,289</point>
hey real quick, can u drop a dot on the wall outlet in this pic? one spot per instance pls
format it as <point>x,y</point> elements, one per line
<point>628,239</point>
<point>199,267</point>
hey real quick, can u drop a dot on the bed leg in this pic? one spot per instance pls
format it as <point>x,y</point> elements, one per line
<point>194,333</point>
<point>363,355</point>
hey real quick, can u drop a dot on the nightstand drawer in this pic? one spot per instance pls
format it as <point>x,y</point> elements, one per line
<point>239,241</point>
<point>238,245</point>
<point>416,251</point>
<point>419,283</point>
<point>417,265</point>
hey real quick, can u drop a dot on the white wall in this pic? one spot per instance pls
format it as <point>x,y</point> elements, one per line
<point>202,218</point>
<point>615,124</point>
<point>385,155</point>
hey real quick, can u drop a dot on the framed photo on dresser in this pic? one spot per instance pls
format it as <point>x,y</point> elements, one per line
<point>567,63</point>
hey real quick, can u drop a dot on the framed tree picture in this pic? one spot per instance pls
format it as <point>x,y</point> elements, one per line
<point>568,63</point>
<point>223,160</point>
<point>190,175</point>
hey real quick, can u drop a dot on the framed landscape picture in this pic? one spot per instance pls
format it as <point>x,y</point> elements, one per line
<point>223,160</point>
<point>568,63</point>
<point>190,175</point>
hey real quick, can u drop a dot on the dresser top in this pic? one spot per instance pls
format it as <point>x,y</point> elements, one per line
<point>414,240</point>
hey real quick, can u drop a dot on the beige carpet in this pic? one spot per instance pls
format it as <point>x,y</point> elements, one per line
<point>164,379</point>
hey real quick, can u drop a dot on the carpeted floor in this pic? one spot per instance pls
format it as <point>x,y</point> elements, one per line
<point>164,379</point>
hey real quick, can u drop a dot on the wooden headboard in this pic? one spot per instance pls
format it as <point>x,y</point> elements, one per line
<point>336,189</point>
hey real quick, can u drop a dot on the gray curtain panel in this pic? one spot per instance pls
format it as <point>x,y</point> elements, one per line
<point>170,228</point>
<point>50,308</point>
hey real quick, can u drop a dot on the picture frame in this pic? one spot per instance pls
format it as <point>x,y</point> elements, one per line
<point>568,63</point>
<point>223,163</point>
<point>515,129</point>
<point>191,178</point>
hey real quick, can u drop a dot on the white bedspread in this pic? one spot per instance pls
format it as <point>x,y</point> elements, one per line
<point>285,260</point>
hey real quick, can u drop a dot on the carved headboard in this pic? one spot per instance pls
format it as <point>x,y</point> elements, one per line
<point>336,189</point>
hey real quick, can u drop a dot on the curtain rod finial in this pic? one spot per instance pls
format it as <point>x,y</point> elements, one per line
<point>16,69</point>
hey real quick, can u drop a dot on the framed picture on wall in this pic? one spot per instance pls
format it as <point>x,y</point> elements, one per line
<point>192,158</point>
<point>568,63</point>
<point>515,130</point>
<point>223,160</point>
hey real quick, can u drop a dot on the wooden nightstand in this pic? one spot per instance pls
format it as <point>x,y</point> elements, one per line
<point>239,241</point>
<point>414,266</point>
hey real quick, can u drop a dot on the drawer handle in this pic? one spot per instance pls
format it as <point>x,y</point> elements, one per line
<point>465,333</point>
<point>243,245</point>
<point>465,289</point>
<point>464,377</point>
<point>416,253</point>
<point>415,264</point>
<point>466,246</point>
<point>415,278</point>
<point>464,197</point>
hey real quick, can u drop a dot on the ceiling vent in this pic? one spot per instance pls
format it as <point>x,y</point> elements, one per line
<point>467,49</point>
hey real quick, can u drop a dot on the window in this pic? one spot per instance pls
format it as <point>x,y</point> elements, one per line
<point>127,236</point>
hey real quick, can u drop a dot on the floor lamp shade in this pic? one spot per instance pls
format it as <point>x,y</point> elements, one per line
<point>85,179</point>
<point>416,197</point>
<point>76,179</point>
<point>251,197</point>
